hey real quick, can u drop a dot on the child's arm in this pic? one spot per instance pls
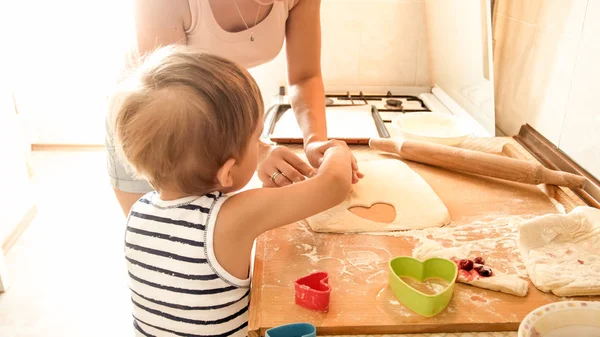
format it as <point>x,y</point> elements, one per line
<point>265,208</point>
<point>246,215</point>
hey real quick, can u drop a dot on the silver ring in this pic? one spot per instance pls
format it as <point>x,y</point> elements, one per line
<point>275,175</point>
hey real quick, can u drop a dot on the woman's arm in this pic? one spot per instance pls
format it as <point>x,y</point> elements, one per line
<point>303,49</point>
<point>307,95</point>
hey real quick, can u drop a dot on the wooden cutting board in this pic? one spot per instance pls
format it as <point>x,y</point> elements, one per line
<point>361,303</point>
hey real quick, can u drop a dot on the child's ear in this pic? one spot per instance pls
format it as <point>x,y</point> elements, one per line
<point>224,174</point>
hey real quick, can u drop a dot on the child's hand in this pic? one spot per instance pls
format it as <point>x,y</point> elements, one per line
<point>341,148</point>
<point>338,147</point>
<point>338,160</point>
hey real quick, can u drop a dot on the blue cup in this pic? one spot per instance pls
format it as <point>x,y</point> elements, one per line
<point>292,330</point>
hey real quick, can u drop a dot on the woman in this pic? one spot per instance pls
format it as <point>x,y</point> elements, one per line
<point>249,32</point>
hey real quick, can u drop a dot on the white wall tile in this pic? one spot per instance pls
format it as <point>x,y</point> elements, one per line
<point>527,11</point>
<point>547,70</point>
<point>552,72</point>
<point>498,30</point>
<point>513,55</point>
<point>390,42</point>
<point>562,17</point>
<point>535,50</point>
<point>580,138</point>
<point>501,7</point>
<point>423,76</point>
<point>342,25</point>
<point>533,82</point>
<point>591,28</point>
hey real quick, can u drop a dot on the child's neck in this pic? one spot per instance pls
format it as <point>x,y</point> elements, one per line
<point>171,195</point>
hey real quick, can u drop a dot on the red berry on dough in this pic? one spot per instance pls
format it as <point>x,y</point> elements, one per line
<point>479,260</point>
<point>580,262</point>
<point>485,271</point>
<point>465,264</point>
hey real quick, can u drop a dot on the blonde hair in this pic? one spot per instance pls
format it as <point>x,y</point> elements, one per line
<point>181,115</point>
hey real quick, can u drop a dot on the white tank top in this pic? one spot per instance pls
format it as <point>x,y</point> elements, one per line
<point>206,34</point>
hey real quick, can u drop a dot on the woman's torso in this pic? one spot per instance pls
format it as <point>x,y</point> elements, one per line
<point>268,35</point>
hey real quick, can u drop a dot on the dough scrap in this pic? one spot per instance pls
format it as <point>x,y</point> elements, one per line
<point>506,283</point>
<point>391,182</point>
<point>562,252</point>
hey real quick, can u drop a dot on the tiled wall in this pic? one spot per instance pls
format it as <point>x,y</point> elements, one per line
<point>546,70</point>
<point>580,136</point>
<point>367,43</point>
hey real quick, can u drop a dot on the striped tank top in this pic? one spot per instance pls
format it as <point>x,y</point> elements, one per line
<point>177,286</point>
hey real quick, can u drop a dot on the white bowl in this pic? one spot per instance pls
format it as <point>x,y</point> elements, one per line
<point>568,318</point>
<point>436,127</point>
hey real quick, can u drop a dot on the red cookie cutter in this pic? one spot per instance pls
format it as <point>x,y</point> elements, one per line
<point>313,291</point>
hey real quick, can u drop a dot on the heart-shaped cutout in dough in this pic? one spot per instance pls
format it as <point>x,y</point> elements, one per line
<point>390,182</point>
<point>378,212</point>
<point>424,304</point>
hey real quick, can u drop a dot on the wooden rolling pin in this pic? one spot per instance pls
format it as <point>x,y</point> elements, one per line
<point>475,162</point>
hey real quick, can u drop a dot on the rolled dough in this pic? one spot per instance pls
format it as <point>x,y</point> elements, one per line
<point>562,252</point>
<point>505,283</point>
<point>391,182</point>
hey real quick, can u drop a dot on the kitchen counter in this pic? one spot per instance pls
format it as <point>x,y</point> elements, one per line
<point>361,302</point>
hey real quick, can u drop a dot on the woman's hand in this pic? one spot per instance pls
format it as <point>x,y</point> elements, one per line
<point>282,167</point>
<point>316,149</point>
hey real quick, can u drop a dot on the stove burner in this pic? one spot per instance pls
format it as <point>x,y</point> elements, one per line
<point>394,103</point>
<point>387,102</point>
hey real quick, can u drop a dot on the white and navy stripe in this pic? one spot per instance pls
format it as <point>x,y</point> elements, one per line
<point>177,286</point>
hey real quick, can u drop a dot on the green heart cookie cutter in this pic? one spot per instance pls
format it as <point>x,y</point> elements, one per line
<point>421,303</point>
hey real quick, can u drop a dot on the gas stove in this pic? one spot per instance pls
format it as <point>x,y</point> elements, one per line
<point>383,103</point>
<point>389,105</point>
<point>389,102</point>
